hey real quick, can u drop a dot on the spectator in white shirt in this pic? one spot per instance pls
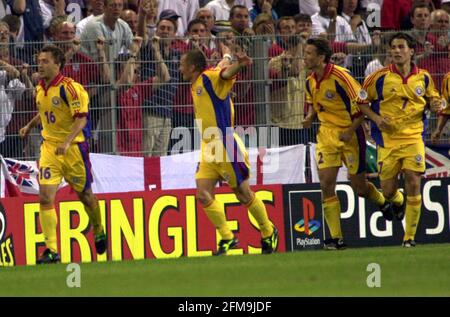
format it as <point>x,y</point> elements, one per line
<point>308,7</point>
<point>114,30</point>
<point>184,8</point>
<point>327,21</point>
<point>351,11</point>
<point>97,7</point>
<point>221,8</point>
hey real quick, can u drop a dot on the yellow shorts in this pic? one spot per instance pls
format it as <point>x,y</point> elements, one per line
<point>331,152</point>
<point>232,167</point>
<point>74,166</point>
<point>391,161</point>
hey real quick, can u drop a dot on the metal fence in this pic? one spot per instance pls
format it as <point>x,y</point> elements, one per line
<point>142,107</point>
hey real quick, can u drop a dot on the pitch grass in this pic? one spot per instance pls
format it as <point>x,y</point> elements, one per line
<point>420,271</point>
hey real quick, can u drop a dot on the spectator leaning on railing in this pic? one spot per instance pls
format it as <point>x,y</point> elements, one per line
<point>97,7</point>
<point>243,89</point>
<point>11,90</point>
<point>287,93</point>
<point>430,55</point>
<point>16,105</point>
<point>114,30</point>
<point>158,108</point>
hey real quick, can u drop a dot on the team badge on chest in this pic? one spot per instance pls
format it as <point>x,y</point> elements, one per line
<point>55,102</point>
<point>199,91</point>
<point>330,94</point>
<point>419,91</point>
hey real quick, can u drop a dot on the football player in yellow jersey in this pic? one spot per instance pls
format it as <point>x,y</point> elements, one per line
<point>63,114</point>
<point>444,115</point>
<point>332,94</point>
<point>398,96</point>
<point>224,156</point>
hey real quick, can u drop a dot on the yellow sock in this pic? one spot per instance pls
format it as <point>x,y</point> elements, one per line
<point>412,215</point>
<point>216,215</point>
<point>48,222</point>
<point>95,218</point>
<point>397,198</point>
<point>259,212</point>
<point>332,211</point>
<point>375,195</point>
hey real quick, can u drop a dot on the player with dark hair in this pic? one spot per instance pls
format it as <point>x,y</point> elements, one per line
<point>64,116</point>
<point>399,95</point>
<point>332,94</point>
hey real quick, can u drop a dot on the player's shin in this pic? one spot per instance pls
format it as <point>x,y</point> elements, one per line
<point>259,212</point>
<point>375,195</point>
<point>413,208</point>
<point>95,217</point>
<point>215,213</point>
<point>49,221</point>
<point>332,211</point>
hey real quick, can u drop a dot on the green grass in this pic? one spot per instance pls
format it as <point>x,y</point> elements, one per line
<point>422,271</point>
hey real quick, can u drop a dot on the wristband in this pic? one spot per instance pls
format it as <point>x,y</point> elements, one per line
<point>228,56</point>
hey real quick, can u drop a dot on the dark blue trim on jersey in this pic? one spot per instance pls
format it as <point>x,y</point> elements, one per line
<point>427,81</point>
<point>222,109</point>
<point>308,88</point>
<point>87,128</point>
<point>362,149</point>
<point>379,87</point>
<point>62,93</point>
<point>425,124</point>
<point>377,135</point>
<point>341,91</point>
<point>84,150</point>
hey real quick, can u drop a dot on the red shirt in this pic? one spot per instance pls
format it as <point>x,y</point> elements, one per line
<point>82,69</point>
<point>129,137</point>
<point>393,11</point>
<point>438,63</point>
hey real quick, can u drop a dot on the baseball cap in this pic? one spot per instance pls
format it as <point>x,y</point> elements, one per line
<point>221,26</point>
<point>168,15</point>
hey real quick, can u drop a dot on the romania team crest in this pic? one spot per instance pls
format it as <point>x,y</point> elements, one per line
<point>55,101</point>
<point>418,158</point>
<point>329,94</point>
<point>199,91</point>
<point>419,91</point>
<point>362,94</point>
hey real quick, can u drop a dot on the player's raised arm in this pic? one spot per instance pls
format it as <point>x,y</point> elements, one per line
<point>242,61</point>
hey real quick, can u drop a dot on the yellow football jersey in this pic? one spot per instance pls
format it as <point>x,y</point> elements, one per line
<point>212,102</point>
<point>334,97</point>
<point>402,100</point>
<point>446,93</point>
<point>58,105</point>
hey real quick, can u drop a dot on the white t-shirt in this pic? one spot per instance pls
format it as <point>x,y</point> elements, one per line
<point>362,34</point>
<point>343,29</point>
<point>308,7</point>
<point>80,26</point>
<point>186,9</point>
<point>373,66</point>
<point>221,10</point>
<point>10,91</point>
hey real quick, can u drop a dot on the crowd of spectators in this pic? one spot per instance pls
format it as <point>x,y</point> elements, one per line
<point>127,53</point>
